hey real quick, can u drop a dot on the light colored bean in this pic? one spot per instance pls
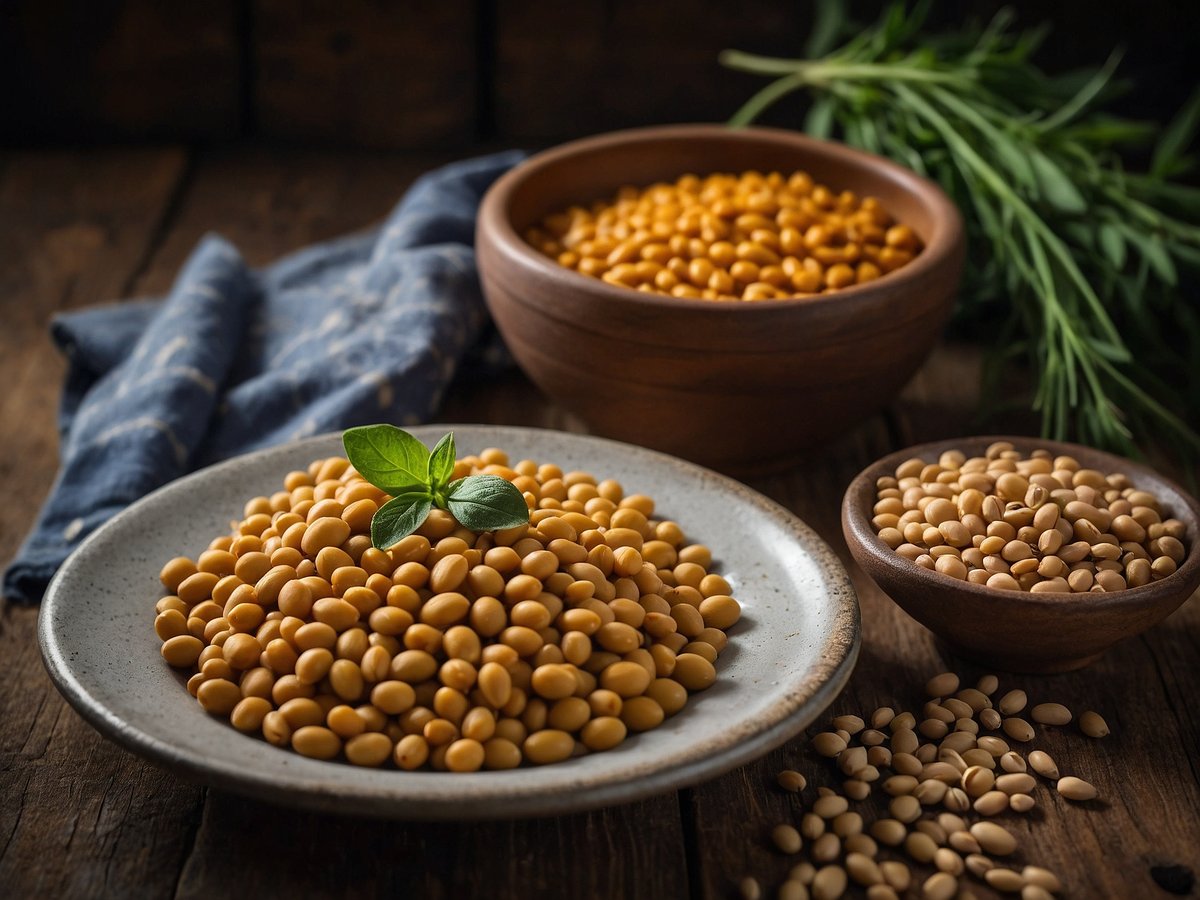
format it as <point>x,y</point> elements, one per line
<point>1076,789</point>
<point>1016,783</point>
<point>1012,762</point>
<point>1092,724</point>
<point>786,838</point>
<point>1012,702</point>
<point>829,883</point>
<point>1006,881</point>
<point>1043,878</point>
<point>992,803</point>
<point>1042,763</point>
<point>942,685</point>
<point>905,808</point>
<point>791,781</point>
<point>1018,729</point>
<point>889,831</point>
<point>1021,803</point>
<point>830,806</point>
<point>977,781</point>
<point>828,744</point>
<point>994,838</point>
<point>939,886</point>
<point>862,869</point>
<point>1050,714</point>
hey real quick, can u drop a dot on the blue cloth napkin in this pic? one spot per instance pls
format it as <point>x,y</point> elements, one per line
<point>362,329</point>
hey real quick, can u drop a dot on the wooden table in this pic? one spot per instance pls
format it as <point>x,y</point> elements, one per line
<point>81,818</point>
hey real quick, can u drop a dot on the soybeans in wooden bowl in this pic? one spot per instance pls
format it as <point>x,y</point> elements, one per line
<point>739,383</point>
<point>1051,596</point>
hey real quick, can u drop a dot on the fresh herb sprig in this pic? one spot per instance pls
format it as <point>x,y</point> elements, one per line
<point>418,480</point>
<point>1079,257</point>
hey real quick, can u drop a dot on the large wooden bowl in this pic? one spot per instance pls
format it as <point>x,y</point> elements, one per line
<point>731,385</point>
<point>1017,631</point>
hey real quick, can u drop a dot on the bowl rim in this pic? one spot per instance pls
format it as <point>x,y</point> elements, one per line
<point>861,537</point>
<point>942,247</point>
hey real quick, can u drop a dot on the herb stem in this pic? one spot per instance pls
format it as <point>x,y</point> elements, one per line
<point>821,73</point>
<point>1081,256</point>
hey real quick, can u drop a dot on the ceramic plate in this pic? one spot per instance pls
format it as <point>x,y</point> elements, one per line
<point>787,658</point>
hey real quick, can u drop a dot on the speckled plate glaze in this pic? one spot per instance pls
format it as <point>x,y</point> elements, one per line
<point>788,657</point>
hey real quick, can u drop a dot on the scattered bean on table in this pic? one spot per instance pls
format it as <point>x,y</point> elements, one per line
<point>946,796</point>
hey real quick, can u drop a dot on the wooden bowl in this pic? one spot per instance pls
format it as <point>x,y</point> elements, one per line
<point>733,385</point>
<point>1019,631</point>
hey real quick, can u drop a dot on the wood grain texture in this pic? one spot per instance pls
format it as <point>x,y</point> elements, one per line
<point>268,203</point>
<point>246,848</point>
<point>125,69</point>
<point>75,229</point>
<point>565,70</point>
<point>363,73</point>
<point>366,74</point>
<point>81,818</point>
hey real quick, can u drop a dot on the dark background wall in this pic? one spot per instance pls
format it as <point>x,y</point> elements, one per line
<point>448,74</point>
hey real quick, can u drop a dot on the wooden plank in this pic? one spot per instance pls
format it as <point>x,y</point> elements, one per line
<point>565,70</point>
<point>126,69</point>
<point>269,203</point>
<point>74,229</point>
<point>80,817</point>
<point>366,74</point>
<point>507,398</point>
<point>245,848</point>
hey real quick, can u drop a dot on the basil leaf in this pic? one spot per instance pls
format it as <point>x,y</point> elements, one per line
<point>441,464</point>
<point>486,503</point>
<point>391,459</point>
<point>399,517</point>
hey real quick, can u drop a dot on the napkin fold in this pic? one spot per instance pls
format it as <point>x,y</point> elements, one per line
<point>361,329</point>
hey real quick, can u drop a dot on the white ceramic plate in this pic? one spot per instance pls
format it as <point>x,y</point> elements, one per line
<point>787,658</point>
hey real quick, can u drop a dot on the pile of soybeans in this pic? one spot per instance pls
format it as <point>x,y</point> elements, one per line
<point>450,650</point>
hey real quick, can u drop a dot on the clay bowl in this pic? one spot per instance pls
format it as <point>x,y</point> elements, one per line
<point>1018,631</point>
<point>737,386</point>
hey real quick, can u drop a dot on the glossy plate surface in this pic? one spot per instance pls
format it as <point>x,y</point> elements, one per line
<point>787,659</point>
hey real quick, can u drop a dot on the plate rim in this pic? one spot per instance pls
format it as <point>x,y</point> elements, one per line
<point>836,658</point>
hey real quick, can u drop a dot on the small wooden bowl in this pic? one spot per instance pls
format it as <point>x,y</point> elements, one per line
<point>733,385</point>
<point>1018,631</point>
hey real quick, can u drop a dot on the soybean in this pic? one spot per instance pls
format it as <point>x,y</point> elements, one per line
<point>1026,524</point>
<point>749,237</point>
<point>453,650</point>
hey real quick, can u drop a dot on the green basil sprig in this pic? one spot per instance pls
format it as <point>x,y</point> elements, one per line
<point>418,480</point>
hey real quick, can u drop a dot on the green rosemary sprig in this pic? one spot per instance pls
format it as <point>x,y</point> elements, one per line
<point>1079,257</point>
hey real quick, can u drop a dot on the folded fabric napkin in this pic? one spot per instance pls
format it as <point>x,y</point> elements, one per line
<point>362,329</point>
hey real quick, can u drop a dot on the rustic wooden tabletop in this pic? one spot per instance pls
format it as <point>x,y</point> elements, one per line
<point>81,818</point>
